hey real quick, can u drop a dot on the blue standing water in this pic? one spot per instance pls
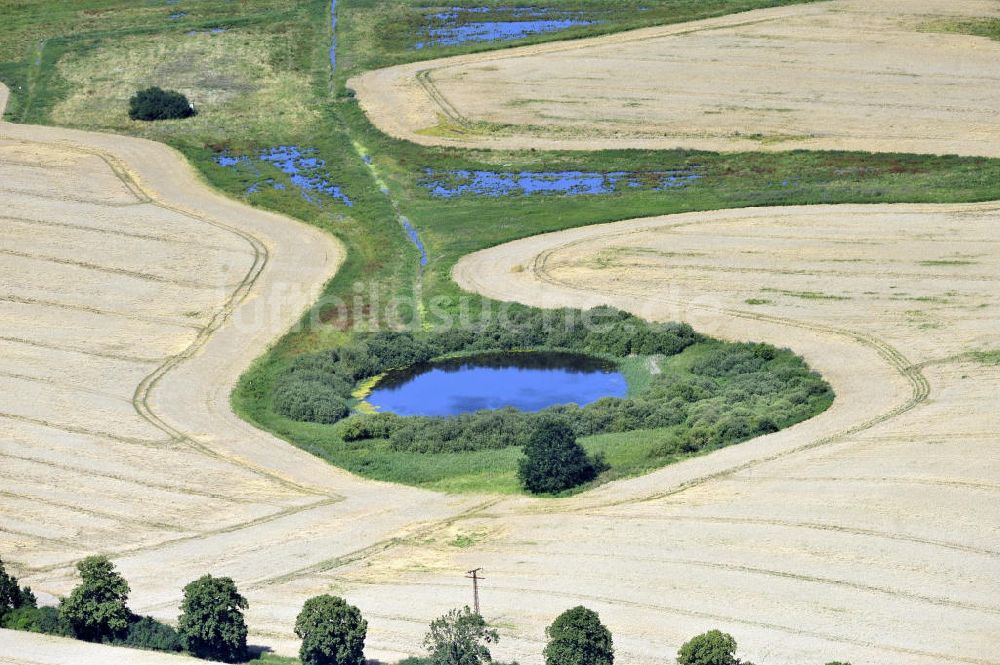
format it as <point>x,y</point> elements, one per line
<point>524,381</point>
<point>496,184</point>
<point>414,238</point>
<point>453,27</point>
<point>333,42</point>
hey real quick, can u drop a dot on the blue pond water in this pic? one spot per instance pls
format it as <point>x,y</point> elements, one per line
<point>449,184</point>
<point>454,26</point>
<point>177,15</point>
<point>525,381</point>
<point>307,172</point>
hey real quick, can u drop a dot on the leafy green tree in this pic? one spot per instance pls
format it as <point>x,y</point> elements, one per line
<point>158,104</point>
<point>97,610</point>
<point>577,637</point>
<point>211,624</point>
<point>12,596</point>
<point>711,648</point>
<point>553,461</point>
<point>332,632</point>
<point>460,638</point>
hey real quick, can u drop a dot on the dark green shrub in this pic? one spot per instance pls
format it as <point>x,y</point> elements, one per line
<point>12,596</point>
<point>553,461</point>
<point>577,637</point>
<point>211,624</point>
<point>145,632</point>
<point>365,427</point>
<point>332,632</point>
<point>711,648</point>
<point>158,104</point>
<point>38,620</point>
<point>310,401</point>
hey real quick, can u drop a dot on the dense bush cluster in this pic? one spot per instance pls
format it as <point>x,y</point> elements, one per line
<point>159,104</point>
<point>96,611</point>
<point>145,632</point>
<point>317,388</point>
<point>729,393</point>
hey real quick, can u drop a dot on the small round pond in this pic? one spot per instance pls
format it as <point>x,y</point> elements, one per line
<point>525,381</point>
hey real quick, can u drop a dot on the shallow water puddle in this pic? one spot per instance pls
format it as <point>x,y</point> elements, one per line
<point>411,232</point>
<point>449,184</point>
<point>454,26</point>
<point>306,171</point>
<point>333,42</point>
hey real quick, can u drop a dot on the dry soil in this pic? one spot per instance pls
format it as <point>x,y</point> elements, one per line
<point>134,296</point>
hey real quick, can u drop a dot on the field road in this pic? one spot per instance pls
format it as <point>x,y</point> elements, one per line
<point>840,75</point>
<point>869,534</point>
<point>132,298</point>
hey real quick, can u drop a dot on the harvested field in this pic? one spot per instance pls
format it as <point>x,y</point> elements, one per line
<point>133,296</point>
<point>843,75</point>
<point>867,534</point>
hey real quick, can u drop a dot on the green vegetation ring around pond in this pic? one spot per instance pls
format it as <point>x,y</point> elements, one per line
<point>687,395</point>
<point>77,64</point>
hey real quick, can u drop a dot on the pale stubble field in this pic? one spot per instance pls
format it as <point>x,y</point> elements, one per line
<point>868,534</point>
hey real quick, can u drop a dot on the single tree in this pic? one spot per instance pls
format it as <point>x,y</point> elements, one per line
<point>158,104</point>
<point>211,624</point>
<point>460,638</point>
<point>12,596</point>
<point>97,610</point>
<point>332,632</point>
<point>711,648</point>
<point>577,637</point>
<point>553,461</point>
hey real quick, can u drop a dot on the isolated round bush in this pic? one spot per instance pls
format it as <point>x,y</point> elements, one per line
<point>159,104</point>
<point>211,623</point>
<point>711,648</point>
<point>553,461</point>
<point>577,637</point>
<point>332,632</point>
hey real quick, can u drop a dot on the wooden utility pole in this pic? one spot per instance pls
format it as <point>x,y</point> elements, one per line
<point>475,577</point>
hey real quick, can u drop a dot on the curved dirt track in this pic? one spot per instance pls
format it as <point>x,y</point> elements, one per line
<point>868,534</point>
<point>133,296</point>
<point>840,75</point>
